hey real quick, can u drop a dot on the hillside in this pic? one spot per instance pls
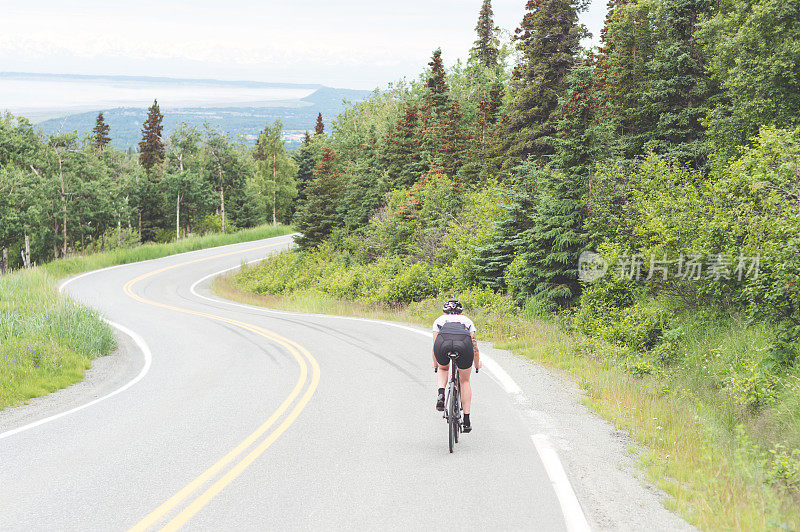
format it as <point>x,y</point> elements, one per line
<point>297,116</point>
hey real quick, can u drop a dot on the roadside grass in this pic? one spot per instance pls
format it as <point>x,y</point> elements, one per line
<point>47,340</point>
<point>723,468</point>
<point>84,263</point>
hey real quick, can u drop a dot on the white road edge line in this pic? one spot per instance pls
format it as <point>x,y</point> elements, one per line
<point>148,358</point>
<point>570,507</point>
<point>143,347</point>
<point>574,517</point>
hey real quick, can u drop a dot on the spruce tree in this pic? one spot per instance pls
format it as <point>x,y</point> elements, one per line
<point>485,49</point>
<point>679,89</point>
<point>306,161</point>
<point>320,215</point>
<point>100,132</point>
<point>582,137</point>
<point>319,129</point>
<point>401,157</point>
<point>362,194</point>
<point>438,94</point>
<point>550,249</point>
<point>492,260</point>
<point>548,40</point>
<point>151,147</point>
<point>628,42</point>
<point>151,156</point>
<point>452,141</point>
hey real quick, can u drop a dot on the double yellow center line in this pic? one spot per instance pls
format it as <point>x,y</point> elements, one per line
<point>304,360</point>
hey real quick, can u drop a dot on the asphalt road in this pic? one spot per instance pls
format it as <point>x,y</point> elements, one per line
<point>241,418</point>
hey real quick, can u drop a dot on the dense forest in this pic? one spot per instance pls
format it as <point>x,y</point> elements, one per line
<point>671,151</point>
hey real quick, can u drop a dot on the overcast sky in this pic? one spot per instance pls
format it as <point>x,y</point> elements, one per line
<point>343,43</point>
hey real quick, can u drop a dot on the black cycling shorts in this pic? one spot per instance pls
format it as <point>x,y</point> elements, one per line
<point>454,337</point>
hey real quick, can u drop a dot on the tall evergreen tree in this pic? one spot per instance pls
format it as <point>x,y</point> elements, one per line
<point>305,161</point>
<point>151,156</point>
<point>485,49</point>
<point>492,260</point>
<point>438,95</point>
<point>548,40</point>
<point>320,214</point>
<point>362,195</point>
<point>583,138</point>
<point>151,147</point>
<point>550,249</point>
<point>319,128</point>
<point>679,89</point>
<point>452,141</point>
<point>100,132</point>
<point>401,157</point>
<point>628,42</point>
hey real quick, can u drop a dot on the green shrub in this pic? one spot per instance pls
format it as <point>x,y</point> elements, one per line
<point>639,328</point>
<point>276,275</point>
<point>749,385</point>
<point>486,298</point>
<point>603,302</point>
<point>515,278</point>
<point>415,283</point>
<point>212,223</point>
<point>164,236</point>
<point>783,466</point>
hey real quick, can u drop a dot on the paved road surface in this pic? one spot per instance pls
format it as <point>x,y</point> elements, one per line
<point>248,419</point>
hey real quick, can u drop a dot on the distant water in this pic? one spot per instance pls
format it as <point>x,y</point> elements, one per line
<point>39,97</point>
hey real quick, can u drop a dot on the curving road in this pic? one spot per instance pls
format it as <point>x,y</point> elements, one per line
<point>223,416</point>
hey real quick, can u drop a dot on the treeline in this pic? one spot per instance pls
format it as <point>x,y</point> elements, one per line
<point>63,194</point>
<point>678,137</point>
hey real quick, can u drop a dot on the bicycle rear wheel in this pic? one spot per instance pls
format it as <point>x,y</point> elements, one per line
<point>451,430</point>
<point>457,410</point>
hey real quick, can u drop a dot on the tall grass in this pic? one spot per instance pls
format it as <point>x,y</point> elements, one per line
<point>47,341</point>
<point>84,263</point>
<point>723,468</point>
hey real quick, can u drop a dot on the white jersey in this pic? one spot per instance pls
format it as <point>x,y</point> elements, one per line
<point>447,318</point>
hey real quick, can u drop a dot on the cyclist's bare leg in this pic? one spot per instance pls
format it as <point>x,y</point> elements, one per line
<point>442,375</point>
<point>466,389</point>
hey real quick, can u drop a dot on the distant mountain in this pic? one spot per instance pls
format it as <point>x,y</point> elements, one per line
<point>328,97</point>
<point>246,121</point>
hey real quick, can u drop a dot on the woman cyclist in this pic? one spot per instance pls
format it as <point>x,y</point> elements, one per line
<point>454,332</point>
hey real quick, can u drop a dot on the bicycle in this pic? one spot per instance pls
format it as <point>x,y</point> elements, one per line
<point>452,409</point>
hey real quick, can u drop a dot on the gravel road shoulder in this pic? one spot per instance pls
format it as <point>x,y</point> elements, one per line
<point>611,489</point>
<point>106,375</point>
